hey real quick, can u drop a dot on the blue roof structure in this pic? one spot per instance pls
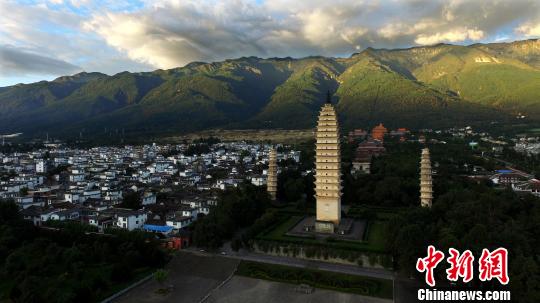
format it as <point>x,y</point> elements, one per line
<point>504,171</point>
<point>157,228</point>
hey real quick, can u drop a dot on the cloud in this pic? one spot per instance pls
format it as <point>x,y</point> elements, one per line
<point>330,28</point>
<point>14,61</point>
<point>112,36</point>
<point>50,35</point>
<point>172,33</point>
<point>455,35</point>
<point>176,33</point>
<point>529,29</point>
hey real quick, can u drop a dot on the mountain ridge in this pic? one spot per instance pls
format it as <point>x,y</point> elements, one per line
<point>417,87</point>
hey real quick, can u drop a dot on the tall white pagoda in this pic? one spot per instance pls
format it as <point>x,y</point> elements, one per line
<point>328,170</point>
<point>271,182</point>
<point>426,183</point>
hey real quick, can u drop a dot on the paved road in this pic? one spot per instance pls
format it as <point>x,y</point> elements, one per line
<point>406,290</point>
<point>196,276</point>
<point>247,290</point>
<point>301,263</point>
<point>191,278</point>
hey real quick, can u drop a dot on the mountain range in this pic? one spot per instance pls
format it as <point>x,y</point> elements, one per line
<point>431,86</point>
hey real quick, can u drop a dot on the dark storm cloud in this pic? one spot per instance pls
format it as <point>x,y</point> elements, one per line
<point>14,61</point>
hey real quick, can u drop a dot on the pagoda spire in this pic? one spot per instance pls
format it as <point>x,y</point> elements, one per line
<point>426,183</point>
<point>328,97</point>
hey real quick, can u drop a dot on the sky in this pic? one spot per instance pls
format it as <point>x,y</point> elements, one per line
<point>41,40</point>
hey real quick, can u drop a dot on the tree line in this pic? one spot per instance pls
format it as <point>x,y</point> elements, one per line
<point>66,263</point>
<point>237,208</point>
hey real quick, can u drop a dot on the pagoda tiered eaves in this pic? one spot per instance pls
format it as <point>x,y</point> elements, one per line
<point>328,168</point>
<point>426,182</point>
<point>271,183</point>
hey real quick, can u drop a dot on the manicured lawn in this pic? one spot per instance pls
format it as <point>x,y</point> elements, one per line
<point>321,279</point>
<point>374,243</point>
<point>376,235</point>
<point>283,228</point>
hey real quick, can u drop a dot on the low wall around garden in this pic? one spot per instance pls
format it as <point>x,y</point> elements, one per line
<point>331,255</point>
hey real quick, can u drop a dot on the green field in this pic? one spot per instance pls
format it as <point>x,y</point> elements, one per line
<point>321,279</point>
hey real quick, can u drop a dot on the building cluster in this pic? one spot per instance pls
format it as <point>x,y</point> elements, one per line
<point>517,180</point>
<point>89,185</point>
<point>528,145</point>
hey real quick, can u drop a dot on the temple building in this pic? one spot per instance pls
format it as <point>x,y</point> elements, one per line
<point>365,153</point>
<point>357,134</point>
<point>378,132</point>
<point>271,183</point>
<point>328,170</point>
<point>426,185</point>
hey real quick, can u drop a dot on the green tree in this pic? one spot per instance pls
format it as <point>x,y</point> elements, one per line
<point>131,200</point>
<point>237,208</point>
<point>161,276</point>
<point>23,191</point>
<point>9,211</point>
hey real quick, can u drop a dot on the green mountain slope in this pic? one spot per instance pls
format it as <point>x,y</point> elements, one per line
<point>418,87</point>
<point>372,92</point>
<point>96,96</point>
<point>25,97</point>
<point>480,77</point>
<point>296,102</point>
<point>501,75</point>
<point>527,51</point>
<point>201,96</point>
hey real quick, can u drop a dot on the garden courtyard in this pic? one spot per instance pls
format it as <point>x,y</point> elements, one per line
<point>364,246</point>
